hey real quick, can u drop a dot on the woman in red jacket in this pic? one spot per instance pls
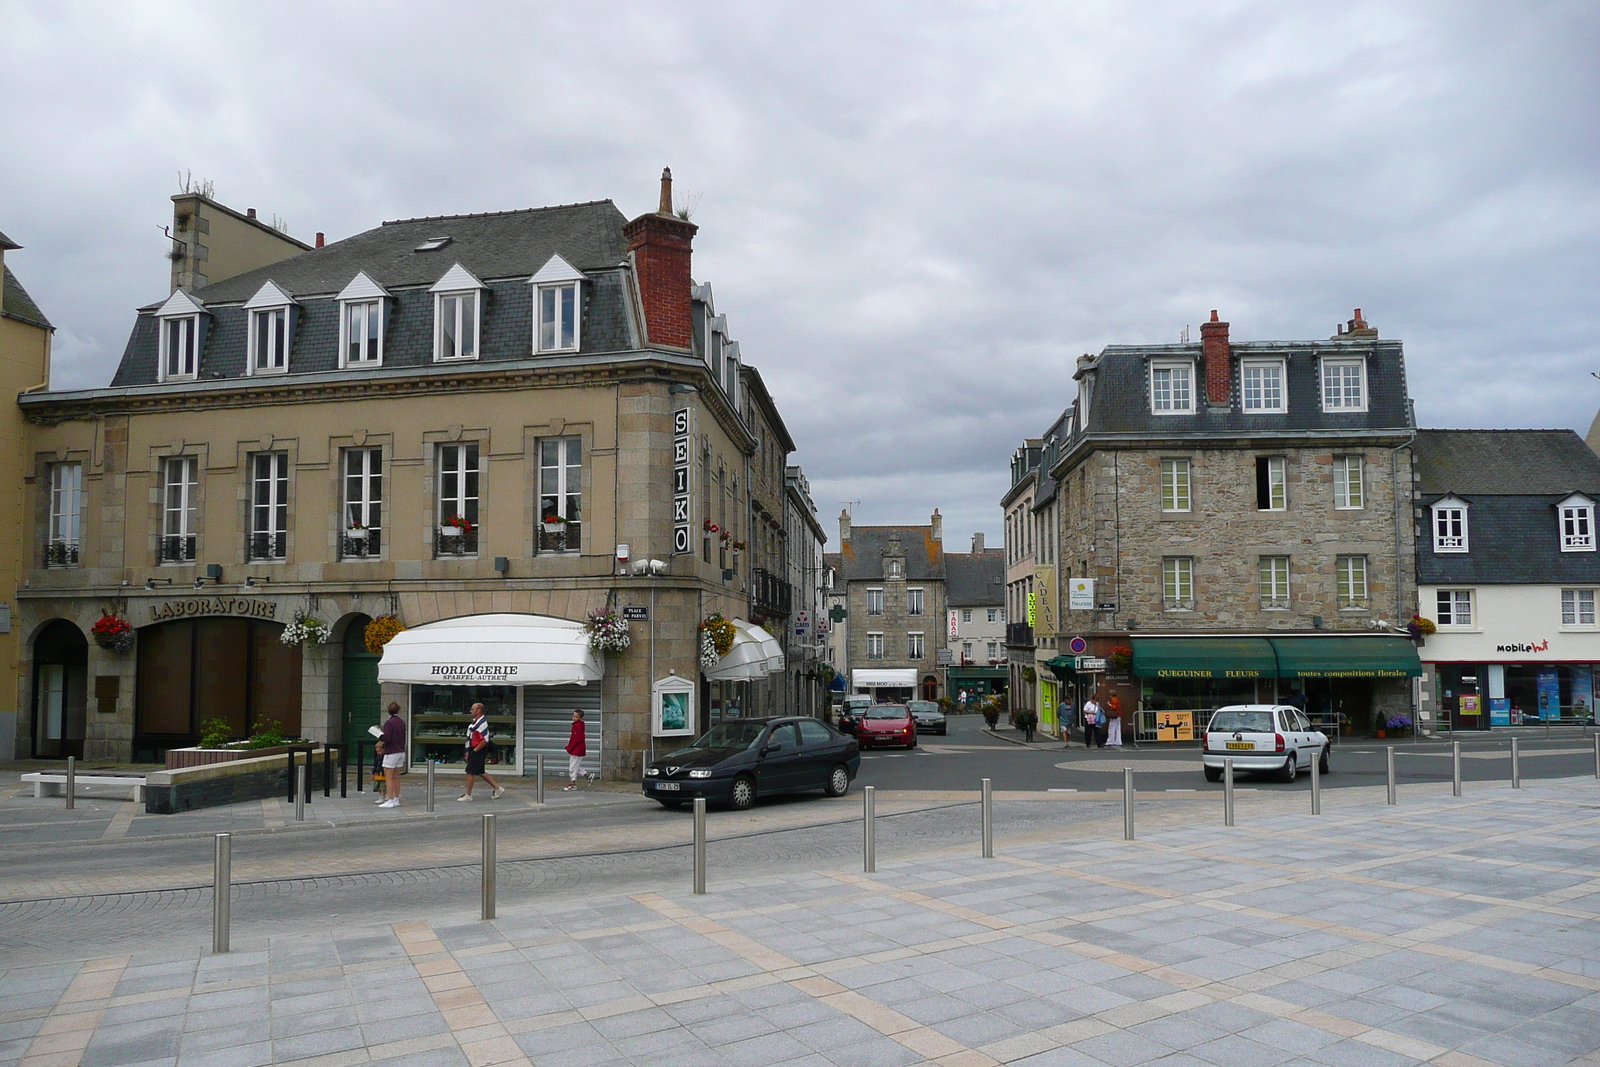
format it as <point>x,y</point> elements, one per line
<point>576,750</point>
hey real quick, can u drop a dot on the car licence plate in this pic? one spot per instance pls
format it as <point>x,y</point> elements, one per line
<point>668,787</point>
<point>1242,744</point>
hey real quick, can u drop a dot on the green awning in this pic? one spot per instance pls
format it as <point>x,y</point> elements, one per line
<point>1347,657</point>
<point>1064,668</point>
<point>1204,657</point>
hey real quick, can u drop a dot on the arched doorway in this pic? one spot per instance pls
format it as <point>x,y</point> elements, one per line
<point>60,690</point>
<point>196,670</point>
<point>930,688</point>
<point>360,696</point>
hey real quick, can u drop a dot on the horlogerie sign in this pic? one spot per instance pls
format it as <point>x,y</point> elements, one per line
<point>476,672</point>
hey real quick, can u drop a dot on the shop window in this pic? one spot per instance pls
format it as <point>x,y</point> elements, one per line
<point>874,601</point>
<point>1577,607</point>
<point>269,505</point>
<point>1350,580</point>
<point>560,494</point>
<point>915,648</point>
<point>913,602</point>
<point>179,509</point>
<point>458,501</point>
<point>1577,524</point>
<point>874,646</point>
<point>66,515</point>
<point>1274,572</point>
<point>1177,583</point>
<point>1272,483</point>
<point>363,503</point>
<point>1348,490</point>
<point>1454,607</point>
<point>1175,485</point>
<point>232,669</point>
<point>1450,525</point>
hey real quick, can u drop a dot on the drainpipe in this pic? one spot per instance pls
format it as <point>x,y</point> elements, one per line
<point>1399,540</point>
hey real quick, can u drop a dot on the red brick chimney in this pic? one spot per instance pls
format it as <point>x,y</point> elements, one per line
<point>661,245</point>
<point>1214,346</point>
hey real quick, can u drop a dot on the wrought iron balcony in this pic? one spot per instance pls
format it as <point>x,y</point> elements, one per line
<point>770,593</point>
<point>361,544</point>
<point>560,536</point>
<point>1019,634</point>
<point>61,554</point>
<point>176,548</point>
<point>460,543</point>
<point>267,546</point>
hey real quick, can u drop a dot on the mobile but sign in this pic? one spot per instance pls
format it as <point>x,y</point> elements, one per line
<point>682,492</point>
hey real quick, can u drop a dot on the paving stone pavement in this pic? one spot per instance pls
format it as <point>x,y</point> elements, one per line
<point>1454,931</point>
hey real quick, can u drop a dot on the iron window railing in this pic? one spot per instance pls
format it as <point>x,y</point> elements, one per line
<point>61,554</point>
<point>464,543</point>
<point>176,548</point>
<point>267,546</point>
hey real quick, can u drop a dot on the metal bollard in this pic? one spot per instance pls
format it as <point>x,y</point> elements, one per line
<point>300,793</point>
<point>869,843</point>
<point>1597,755</point>
<point>1316,785</point>
<point>72,782</point>
<point>327,771</point>
<point>538,778</point>
<point>432,764</point>
<point>488,866</point>
<point>699,846</point>
<point>988,819</point>
<point>1227,792</point>
<point>1127,803</point>
<point>1389,761</point>
<point>1516,763</point>
<point>221,893</point>
<point>1455,768</point>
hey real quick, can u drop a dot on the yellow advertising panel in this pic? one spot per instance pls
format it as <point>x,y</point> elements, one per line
<point>1044,584</point>
<point>1175,726</point>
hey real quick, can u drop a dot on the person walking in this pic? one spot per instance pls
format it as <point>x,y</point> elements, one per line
<point>393,746</point>
<point>576,750</point>
<point>1092,717</point>
<point>478,755</point>
<point>1113,721</point>
<point>1065,710</point>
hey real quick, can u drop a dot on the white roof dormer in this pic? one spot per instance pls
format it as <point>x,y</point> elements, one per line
<point>269,296</point>
<point>363,287</point>
<point>1449,524</point>
<point>363,321</point>
<point>1575,523</point>
<point>457,315</point>
<point>272,314</point>
<point>181,337</point>
<point>557,306</point>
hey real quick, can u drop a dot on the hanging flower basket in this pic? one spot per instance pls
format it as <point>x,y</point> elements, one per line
<point>113,633</point>
<point>381,631</point>
<point>305,629</point>
<point>721,632</point>
<point>608,631</point>
<point>1120,657</point>
<point>708,651</point>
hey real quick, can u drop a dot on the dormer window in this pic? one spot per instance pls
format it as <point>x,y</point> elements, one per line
<point>270,320</point>
<point>1344,384</point>
<point>181,337</point>
<point>1261,386</point>
<point>1577,523</point>
<point>556,306</point>
<point>1450,525</point>
<point>457,315</point>
<point>362,320</point>
<point>1172,388</point>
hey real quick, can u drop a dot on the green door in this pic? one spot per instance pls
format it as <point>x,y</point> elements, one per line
<point>361,694</point>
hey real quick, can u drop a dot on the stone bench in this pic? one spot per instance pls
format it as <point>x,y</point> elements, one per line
<point>54,783</point>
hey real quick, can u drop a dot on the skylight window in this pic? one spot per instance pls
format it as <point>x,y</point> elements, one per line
<point>432,244</point>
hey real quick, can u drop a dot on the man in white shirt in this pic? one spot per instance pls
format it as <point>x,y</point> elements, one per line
<point>1093,720</point>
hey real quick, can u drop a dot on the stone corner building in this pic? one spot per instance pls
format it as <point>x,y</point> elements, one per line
<point>894,583</point>
<point>1244,511</point>
<point>529,413</point>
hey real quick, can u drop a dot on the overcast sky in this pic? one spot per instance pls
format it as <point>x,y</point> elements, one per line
<point>916,216</point>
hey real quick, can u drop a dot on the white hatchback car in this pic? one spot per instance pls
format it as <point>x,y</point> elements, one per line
<point>1262,737</point>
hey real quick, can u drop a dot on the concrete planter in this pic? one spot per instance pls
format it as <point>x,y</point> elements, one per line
<point>201,757</point>
<point>249,776</point>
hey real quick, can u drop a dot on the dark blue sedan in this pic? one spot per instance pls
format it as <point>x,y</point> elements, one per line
<point>735,762</point>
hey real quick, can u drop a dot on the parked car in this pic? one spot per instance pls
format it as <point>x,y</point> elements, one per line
<point>887,724</point>
<point>930,719</point>
<point>735,762</point>
<point>850,712</point>
<point>1262,737</point>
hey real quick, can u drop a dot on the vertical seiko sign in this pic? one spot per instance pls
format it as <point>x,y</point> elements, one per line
<point>682,497</point>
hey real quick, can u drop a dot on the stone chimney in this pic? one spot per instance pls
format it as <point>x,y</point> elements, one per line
<point>1215,349</point>
<point>977,542</point>
<point>661,244</point>
<point>212,242</point>
<point>1356,328</point>
<point>937,522</point>
<point>844,524</point>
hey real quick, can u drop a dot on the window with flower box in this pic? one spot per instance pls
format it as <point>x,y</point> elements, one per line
<point>458,501</point>
<point>560,494</point>
<point>269,506</point>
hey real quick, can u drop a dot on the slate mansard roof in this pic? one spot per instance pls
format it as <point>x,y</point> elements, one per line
<point>1511,482</point>
<point>975,579</point>
<point>1119,401</point>
<point>503,250</point>
<point>862,554</point>
<point>17,304</point>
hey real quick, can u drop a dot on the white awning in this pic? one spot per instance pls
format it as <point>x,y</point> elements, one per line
<point>492,650</point>
<point>884,678</point>
<point>755,654</point>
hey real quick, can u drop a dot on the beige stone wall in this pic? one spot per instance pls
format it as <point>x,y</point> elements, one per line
<point>895,624</point>
<point>215,243</point>
<point>1226,535</point>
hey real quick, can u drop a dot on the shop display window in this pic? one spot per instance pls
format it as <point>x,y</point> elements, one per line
<point>440,715</point>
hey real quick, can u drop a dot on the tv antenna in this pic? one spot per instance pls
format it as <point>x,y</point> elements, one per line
<point>851,505</point>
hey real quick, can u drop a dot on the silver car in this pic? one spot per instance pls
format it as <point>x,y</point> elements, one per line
<point>1262,737</point>
<point>929,719</point>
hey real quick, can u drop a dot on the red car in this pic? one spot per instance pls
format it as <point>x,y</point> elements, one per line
<point>887,724</point>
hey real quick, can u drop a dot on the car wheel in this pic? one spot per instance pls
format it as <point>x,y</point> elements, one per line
<point>669,804</point>
<point>838,781</point>
<point>742,794</point>
<point>911,743</point>
<point>1322,763</point>
<point>1213,774</point>
<point>1291,768</point>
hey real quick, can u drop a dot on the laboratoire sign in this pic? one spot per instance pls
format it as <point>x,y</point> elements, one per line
<point>191,607</point>
<point>682,481</point>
